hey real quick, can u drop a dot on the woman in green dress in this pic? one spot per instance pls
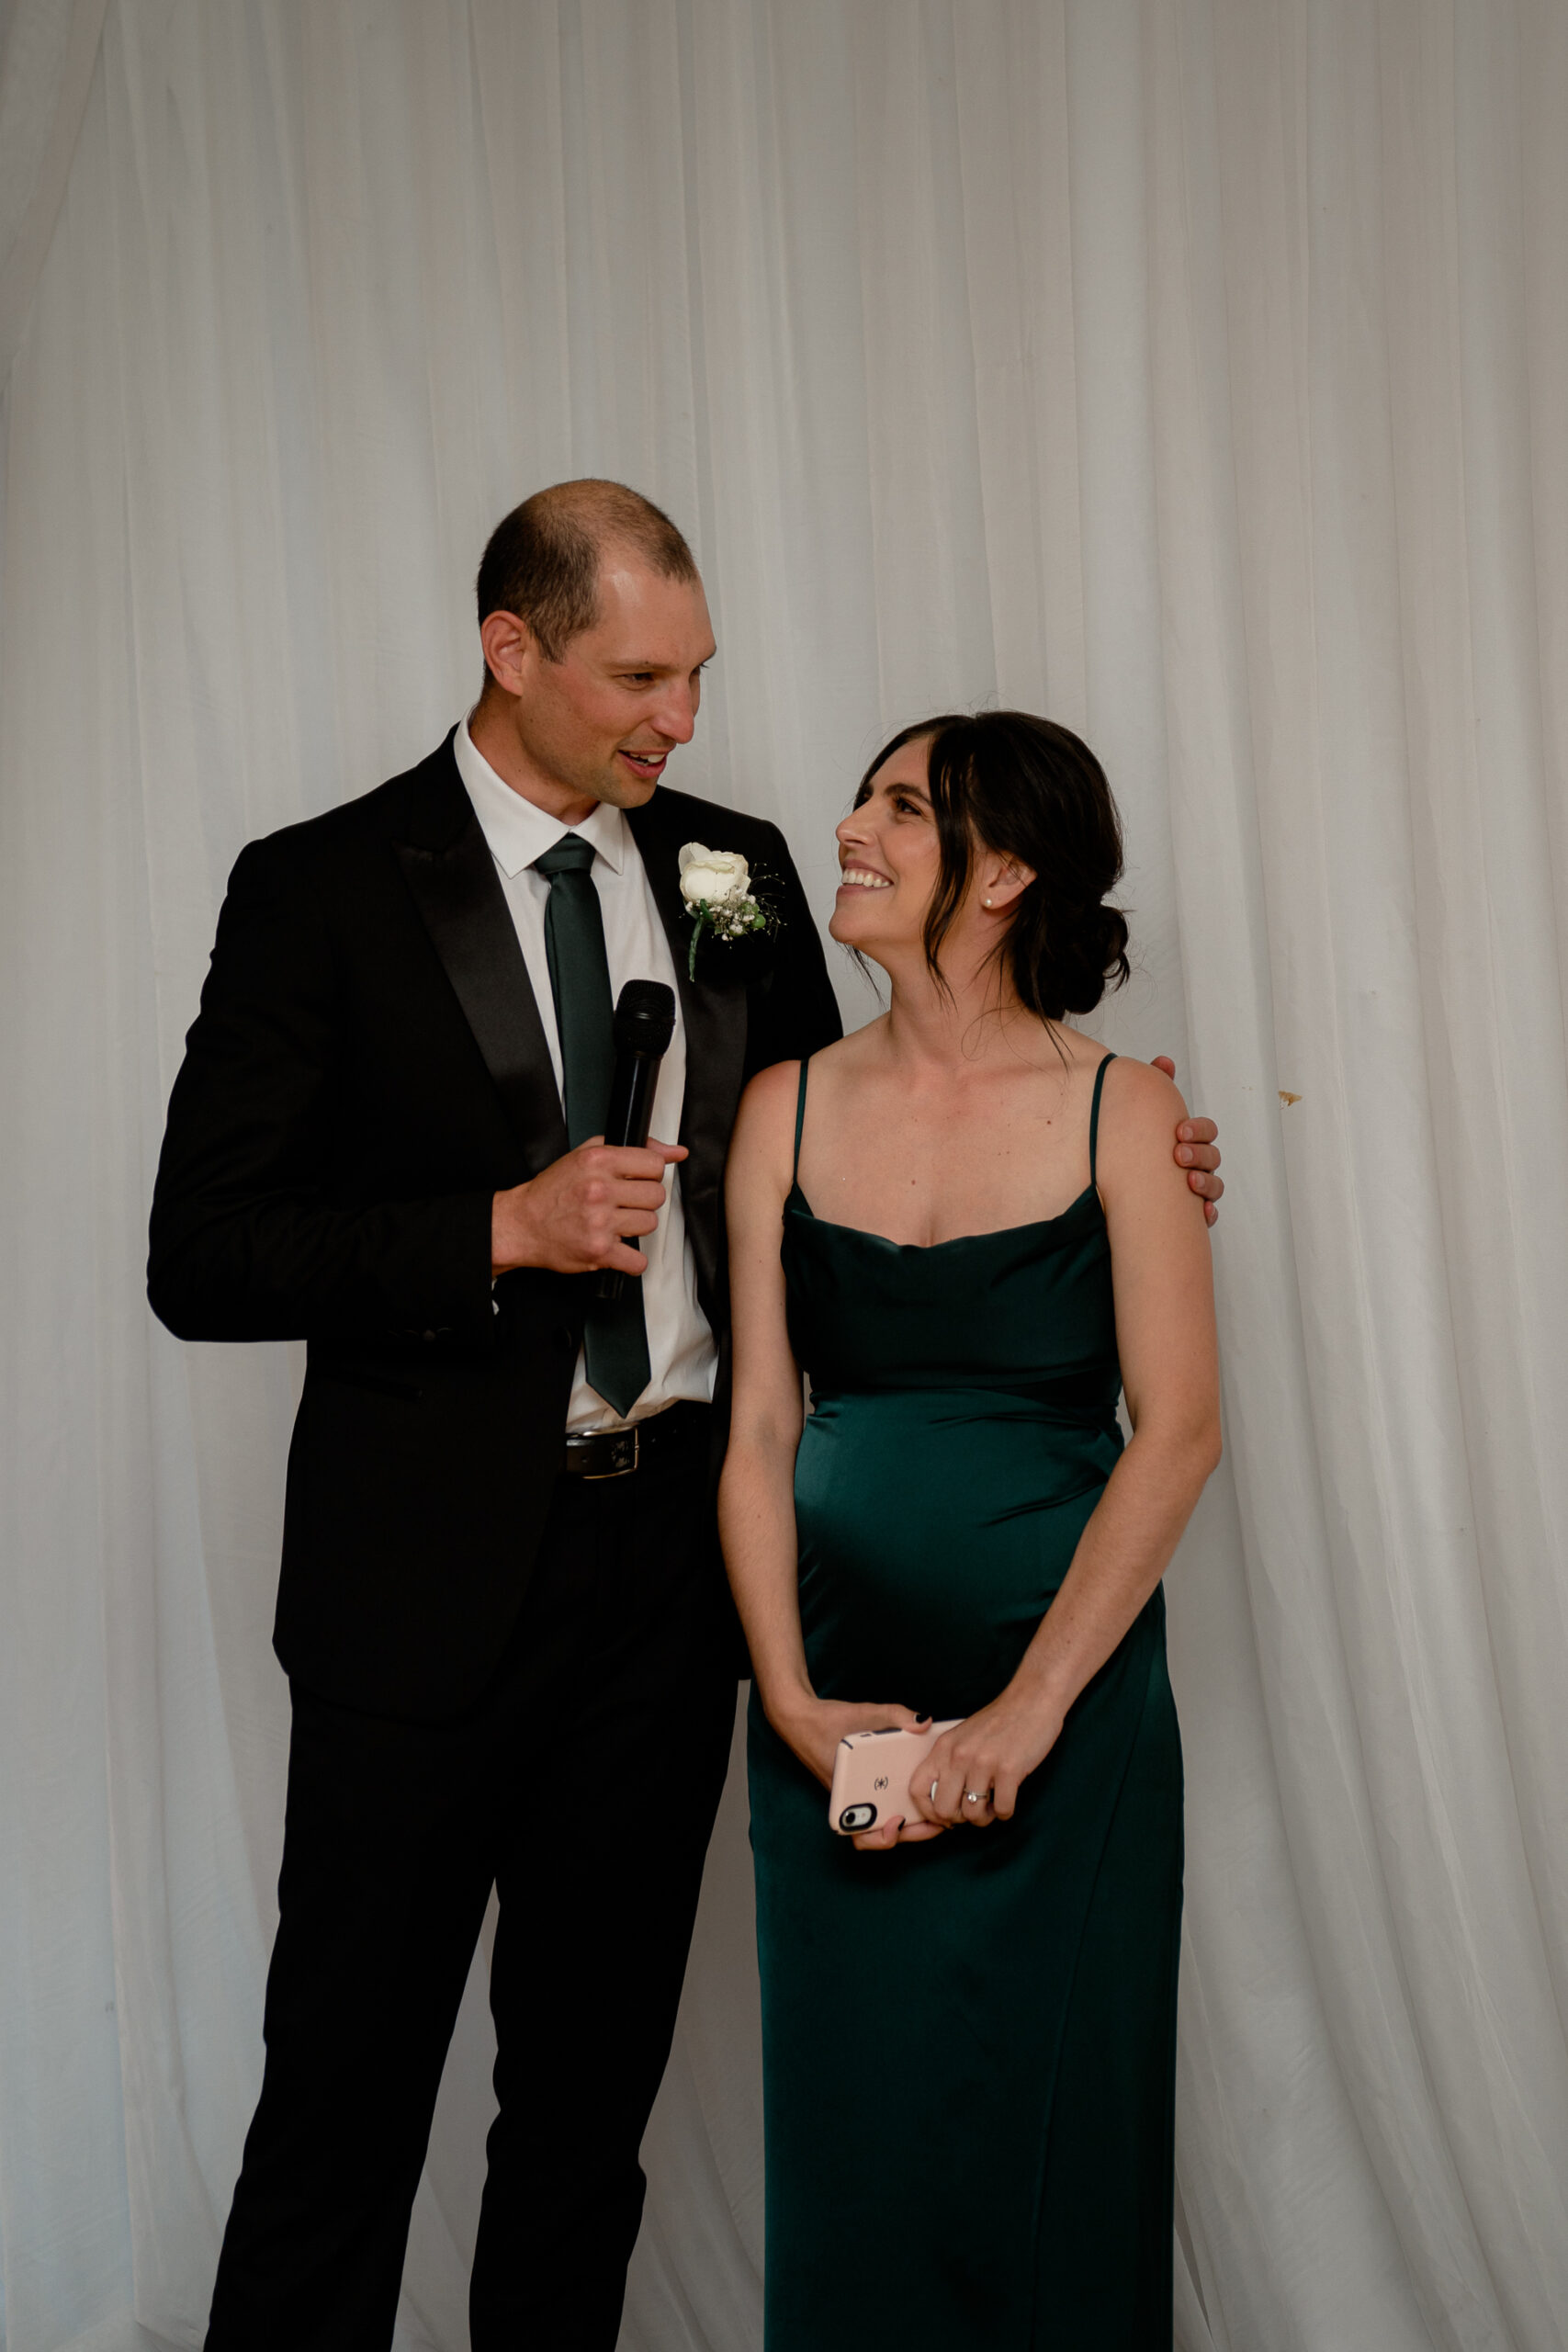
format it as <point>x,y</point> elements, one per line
<point>964,1225</point>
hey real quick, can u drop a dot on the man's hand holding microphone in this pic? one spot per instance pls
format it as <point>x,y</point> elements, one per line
<point>587,1209</point>
<point>582,1210</point>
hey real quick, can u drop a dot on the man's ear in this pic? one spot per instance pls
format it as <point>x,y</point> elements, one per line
<point>508,643</point>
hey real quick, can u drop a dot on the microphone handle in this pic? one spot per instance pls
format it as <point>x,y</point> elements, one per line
<point>626,1125</point>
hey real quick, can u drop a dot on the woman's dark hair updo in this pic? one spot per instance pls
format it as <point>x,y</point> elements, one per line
<point>1033,791</point>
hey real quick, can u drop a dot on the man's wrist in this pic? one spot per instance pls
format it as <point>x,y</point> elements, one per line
<point>509,1232</point>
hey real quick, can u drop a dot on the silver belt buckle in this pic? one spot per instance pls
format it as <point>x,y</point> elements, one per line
<point>624,1449</point>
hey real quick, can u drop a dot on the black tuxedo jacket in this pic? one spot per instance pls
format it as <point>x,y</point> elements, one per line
<point>367,1069</point>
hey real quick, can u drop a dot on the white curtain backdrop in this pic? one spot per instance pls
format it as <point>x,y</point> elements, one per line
<point>1195,370</point>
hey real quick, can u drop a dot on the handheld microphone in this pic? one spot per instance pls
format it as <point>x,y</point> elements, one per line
<point>645,1023</point>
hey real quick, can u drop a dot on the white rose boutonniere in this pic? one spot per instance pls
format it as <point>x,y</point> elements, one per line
<point>717,888</point>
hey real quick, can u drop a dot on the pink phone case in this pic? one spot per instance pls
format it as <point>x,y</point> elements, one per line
<point>872,1773</point>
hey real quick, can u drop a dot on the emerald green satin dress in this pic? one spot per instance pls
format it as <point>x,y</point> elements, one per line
<point>968,2044</point>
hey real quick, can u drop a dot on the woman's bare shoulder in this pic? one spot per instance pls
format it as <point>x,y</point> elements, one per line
<point>844,1053</point>
<point>1138,1089</point>
<point>1139,1110</point>
<point>765,1124</point>
<point>767,1094</point>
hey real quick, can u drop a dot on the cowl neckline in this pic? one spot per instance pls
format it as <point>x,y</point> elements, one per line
<point>797,1202</point>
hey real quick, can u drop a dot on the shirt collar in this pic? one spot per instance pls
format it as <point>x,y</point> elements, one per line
<point>517,831</point>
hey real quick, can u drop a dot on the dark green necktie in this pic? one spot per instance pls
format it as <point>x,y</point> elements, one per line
<point>615,1336</point>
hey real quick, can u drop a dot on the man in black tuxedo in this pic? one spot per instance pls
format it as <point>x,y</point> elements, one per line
<point>501,1610</point>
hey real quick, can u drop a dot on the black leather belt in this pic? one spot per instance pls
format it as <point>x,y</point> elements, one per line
<point>615,1454</point>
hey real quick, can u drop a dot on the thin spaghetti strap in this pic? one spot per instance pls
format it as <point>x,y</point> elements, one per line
<point>1093,1116</point>
<point>799,1117</point>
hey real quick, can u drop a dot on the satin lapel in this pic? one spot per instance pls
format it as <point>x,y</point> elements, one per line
<point>458,893</point>
<point>714,1020</point>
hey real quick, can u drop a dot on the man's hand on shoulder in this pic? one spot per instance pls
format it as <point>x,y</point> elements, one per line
<point>572,1215</point>
<point>1195,1141</point>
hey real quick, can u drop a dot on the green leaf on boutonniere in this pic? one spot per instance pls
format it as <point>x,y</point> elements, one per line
<point>716,885</point>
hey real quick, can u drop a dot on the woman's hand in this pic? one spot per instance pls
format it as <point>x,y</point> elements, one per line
<point>986,1759</point>
<point>812,1729</point>
<point>1195,1141</point>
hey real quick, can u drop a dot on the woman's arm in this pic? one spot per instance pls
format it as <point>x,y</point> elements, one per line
<point>756,1493</point>
<point>1165,1336</point>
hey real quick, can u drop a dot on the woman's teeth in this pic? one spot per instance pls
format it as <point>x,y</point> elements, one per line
<point>856,878</point>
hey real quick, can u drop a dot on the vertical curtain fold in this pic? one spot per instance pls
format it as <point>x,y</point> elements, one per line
<point>46,69</point>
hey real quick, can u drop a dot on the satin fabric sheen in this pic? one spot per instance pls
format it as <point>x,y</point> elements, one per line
<point>968,2044</point>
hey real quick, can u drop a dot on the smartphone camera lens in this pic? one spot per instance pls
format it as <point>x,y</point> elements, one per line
<point>857,1817</point>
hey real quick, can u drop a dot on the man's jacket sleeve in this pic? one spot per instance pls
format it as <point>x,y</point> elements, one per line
<point>797,1012</point>
<point>245,1243</point>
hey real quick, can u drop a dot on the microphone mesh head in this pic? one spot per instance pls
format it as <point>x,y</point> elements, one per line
<point>644,1018</point>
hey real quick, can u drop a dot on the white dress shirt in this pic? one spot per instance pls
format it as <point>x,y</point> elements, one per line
<point>681,1351</point>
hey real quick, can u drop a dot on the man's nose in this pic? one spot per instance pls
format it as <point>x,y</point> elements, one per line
<point>676,714</point>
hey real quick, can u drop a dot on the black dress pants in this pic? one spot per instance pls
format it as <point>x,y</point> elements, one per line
<point>583,1784</point>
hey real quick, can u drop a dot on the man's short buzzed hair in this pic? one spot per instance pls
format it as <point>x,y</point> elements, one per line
<point>543,561</point>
